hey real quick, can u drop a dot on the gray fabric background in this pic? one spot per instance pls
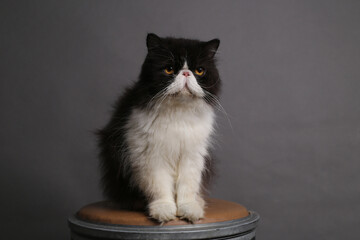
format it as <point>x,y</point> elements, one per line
<point>291,74</point>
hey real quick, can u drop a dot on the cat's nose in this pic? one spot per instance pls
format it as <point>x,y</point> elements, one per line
<point>186,73</point>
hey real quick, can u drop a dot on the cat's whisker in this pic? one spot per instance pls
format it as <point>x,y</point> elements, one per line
<point>207,87</point>
<point>156,97</point>
<point>163,98</point>
<point>213,99</point>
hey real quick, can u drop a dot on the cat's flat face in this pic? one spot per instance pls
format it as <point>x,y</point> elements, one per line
<point>181,67</point>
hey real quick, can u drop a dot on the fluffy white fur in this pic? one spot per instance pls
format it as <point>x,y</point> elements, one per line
<point>167,145</point>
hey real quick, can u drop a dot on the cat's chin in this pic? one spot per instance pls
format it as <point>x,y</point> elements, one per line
<point>185,93</point>
<point>184,96</point>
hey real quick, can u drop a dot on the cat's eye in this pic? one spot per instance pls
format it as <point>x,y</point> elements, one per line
<point>169,70</point>
<point>199,71</point>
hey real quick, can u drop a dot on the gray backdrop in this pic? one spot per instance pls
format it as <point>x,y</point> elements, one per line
<point>291,74</point>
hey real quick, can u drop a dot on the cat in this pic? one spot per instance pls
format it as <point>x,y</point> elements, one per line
<point>155,149</point>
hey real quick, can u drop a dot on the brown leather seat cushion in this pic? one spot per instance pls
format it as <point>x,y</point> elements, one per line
<point>107,212</point>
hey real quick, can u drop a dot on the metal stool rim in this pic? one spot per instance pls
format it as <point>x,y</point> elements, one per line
<point>191,231</point>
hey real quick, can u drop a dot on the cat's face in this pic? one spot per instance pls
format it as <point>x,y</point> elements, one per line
<point>181,67</point>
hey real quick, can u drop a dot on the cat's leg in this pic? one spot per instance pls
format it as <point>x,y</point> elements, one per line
<point>157,182</point>
<point>190,204</point>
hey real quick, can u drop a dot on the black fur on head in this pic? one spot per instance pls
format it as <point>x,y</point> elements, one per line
<point>173,52</point>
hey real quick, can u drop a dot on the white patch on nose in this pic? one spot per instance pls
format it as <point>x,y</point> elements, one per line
<point>185,84</point>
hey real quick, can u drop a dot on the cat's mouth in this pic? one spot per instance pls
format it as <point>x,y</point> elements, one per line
<point>186,90</point>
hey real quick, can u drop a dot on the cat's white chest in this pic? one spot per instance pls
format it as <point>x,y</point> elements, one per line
<point>170,131</point>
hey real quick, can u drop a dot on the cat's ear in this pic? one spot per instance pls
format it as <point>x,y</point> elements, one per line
<point>153,41</point>
<point>211,47</point>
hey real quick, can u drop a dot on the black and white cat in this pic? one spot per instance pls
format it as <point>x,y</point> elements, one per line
<point>156,146</point>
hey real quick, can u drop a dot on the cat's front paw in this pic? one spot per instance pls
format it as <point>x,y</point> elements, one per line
<point>163,211</point>
<point>191,211</point>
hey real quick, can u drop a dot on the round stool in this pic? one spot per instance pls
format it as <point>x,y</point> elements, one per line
<point>105,220</point>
